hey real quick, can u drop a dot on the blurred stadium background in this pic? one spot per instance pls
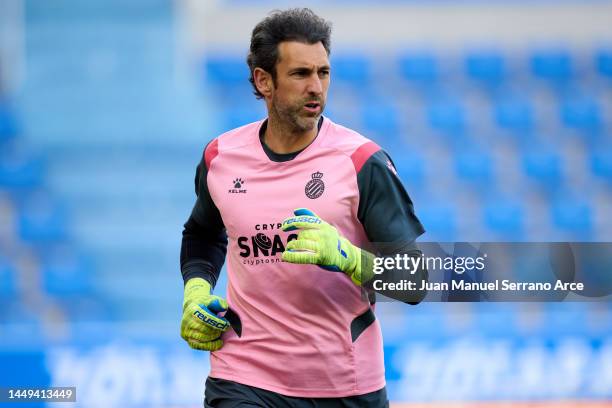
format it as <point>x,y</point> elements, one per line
<point>498,115</point>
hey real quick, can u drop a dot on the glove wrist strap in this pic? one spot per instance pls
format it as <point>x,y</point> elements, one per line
<point>196,287</point>
<point>364,266</point>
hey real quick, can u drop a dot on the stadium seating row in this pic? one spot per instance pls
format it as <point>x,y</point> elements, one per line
<point>516,114</point>
<point>507,219</point>
<point>64,272</point>
<point>490,67</point>
<point>541,163</point>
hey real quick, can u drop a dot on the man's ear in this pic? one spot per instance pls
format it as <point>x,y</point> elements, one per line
<point>263,81</point>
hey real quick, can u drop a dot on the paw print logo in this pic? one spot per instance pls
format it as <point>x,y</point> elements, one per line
<point>237,186</point>
<point>238,182</point>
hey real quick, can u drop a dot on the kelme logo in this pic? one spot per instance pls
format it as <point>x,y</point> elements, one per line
<point>237,184</point>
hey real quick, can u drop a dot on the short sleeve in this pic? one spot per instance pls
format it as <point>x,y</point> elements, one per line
<point>385,208</point>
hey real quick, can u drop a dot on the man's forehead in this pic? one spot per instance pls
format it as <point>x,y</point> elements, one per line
<point>296,53</point>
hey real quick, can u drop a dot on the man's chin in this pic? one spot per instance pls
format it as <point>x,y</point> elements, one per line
<point>308,123</point>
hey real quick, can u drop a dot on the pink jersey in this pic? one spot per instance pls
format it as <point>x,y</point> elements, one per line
<point>296,319</point>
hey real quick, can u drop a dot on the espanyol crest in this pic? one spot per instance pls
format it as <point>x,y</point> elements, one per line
<point>315,187</point>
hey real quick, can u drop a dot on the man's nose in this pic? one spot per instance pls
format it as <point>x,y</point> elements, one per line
<point>314,85</point>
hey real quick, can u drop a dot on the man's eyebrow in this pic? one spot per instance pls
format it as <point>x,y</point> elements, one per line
<point>301,68</point>
<point>308,69</point>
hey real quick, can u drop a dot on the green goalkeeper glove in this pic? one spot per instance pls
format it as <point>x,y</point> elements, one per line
<point>200,326</point>
<point>320,243</point>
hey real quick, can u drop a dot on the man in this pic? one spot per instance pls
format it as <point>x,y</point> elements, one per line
<point>301,334</point>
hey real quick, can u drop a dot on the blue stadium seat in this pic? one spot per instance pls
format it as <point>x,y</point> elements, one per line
<point>240,115</point>
<point>353,68</point>
<point>419,67</point>
<point>8,124</point>
<point>20,170</point>
<point>582,113</point>
<point>504,216</point>
<point>553,64</point>
<point>66,272</point>
<point>382,119</point>
<point>42,220</point>
<point>488,67</point>
<point>7,278</point>
<point>515,114</point>
<point>601,163</point>
<point>603,61</point>
<point>543,165</point>
<point>229,95</point>
<point>447,115</point>
<point>474,166</point>
<point>572,215</point>
<point>411,168</point>
<point>226,69</point>
<point>439,220</point>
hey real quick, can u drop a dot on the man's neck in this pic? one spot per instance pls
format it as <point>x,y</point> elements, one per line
<point>281,139</point>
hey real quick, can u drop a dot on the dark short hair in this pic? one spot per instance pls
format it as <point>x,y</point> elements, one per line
<point>297,24</point>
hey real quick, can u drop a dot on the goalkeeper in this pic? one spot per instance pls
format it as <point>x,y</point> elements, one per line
<point>294,329</point>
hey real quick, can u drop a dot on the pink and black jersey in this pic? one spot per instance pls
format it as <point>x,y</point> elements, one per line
<point>298,330</point>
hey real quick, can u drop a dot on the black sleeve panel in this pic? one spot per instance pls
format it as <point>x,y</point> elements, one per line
<point>204,243</point>
<point>387,215</point>
<point>385,209</point>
